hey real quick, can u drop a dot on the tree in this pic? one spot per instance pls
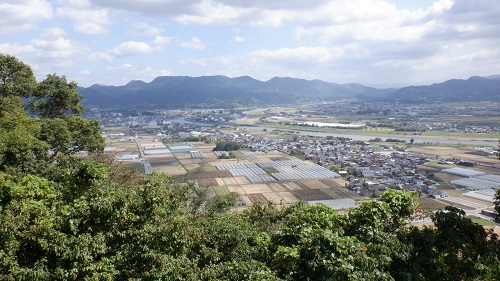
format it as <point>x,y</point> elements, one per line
<point>21,151</point>
<point>56,98</point>
<point>16,78</point>
<point>226,146</point>
<point>455,249</point>
<point>26,140</point>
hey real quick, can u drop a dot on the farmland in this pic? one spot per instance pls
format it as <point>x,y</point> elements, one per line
<point>272,183</point>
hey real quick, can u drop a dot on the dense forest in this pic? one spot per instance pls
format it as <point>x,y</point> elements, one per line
<point>71,216</point>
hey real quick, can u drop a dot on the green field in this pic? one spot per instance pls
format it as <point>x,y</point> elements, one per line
<point>481,221</point>
<point>219,190</point>
<point>381,131</point>
<point>136,166</point>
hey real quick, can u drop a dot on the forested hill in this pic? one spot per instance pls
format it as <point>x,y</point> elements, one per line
<point>220,91</point>
<point>224,92</point>
<point>473,89</point>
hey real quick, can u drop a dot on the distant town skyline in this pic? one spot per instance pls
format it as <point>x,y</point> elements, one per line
<point>379,43</point>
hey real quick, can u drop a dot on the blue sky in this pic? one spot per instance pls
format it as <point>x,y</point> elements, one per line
<point>372,42</point>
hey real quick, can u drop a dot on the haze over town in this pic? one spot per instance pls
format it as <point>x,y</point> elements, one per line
<point>372,42</point>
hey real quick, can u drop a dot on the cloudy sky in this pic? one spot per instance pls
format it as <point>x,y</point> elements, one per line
<point>372,42</point>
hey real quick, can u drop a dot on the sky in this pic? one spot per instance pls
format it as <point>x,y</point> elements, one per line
<point>381,43</point>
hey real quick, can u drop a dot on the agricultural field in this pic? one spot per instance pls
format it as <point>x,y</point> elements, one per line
<point>462,152</point>
<point>178,160</point>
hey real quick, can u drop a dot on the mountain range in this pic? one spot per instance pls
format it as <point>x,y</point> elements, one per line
<point>224,92</point>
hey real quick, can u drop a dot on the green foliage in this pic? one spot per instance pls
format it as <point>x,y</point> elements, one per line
<point>226,146</point>
<point>56,98</point>
<point>455,249</point>
<point>31,144</point>
<point>21,151</point>
<point>16,78</point>
<point>229,155</point>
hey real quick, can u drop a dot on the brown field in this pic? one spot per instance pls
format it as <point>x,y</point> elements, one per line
<point>459,152</point>
<point>190,167</point>
<point>288,197</point>
<point>236,189</point>
<point>176,170</point>
<point>246,200</point>
<point>183,156</point>
<point>312,194</point>
<point>157,144</point>
<point>446,177</point>
<point>185,161</point>
<point>455,192</point>
<point>315,184</point>
<point>273,197</point>
<point>258,197</point>
<point>162,161</point>
<point>430,204</point>
<point>292,186</point>
<point>220,181</point>
<point>256,188</point>
<point>302,185</point>
<point>207,182</point>
<point>340,182</point>
<point>241,180</point>
<point>428,169</point>
<point>333,183</point>
<point>229,181</point>
<point>208,174</point>
<point>276,187</point>
<point>339,193</point>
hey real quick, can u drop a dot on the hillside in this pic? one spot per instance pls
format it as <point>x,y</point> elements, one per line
<point>219,91</point>
<point>225,92</point>
<point>473,89</point>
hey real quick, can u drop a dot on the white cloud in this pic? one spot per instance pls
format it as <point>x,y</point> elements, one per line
<point>54,49</point>
<point>162,40</point>
<point>51,52</point>
<point>22,15</point>
<point>101,57</point>
<point>300,55</point>
<point>144,28</point>
<point>87,18</point>
<point>122,74</point>
<point>194,43</point>
<point>150,7</point>
<point>130,48</point>
<point>239,39</point>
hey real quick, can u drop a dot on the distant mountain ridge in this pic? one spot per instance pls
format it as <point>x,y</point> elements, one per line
<point>224,92</point>
<point>473,89</point>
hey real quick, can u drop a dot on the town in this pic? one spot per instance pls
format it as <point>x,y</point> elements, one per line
<point>180,143</point>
